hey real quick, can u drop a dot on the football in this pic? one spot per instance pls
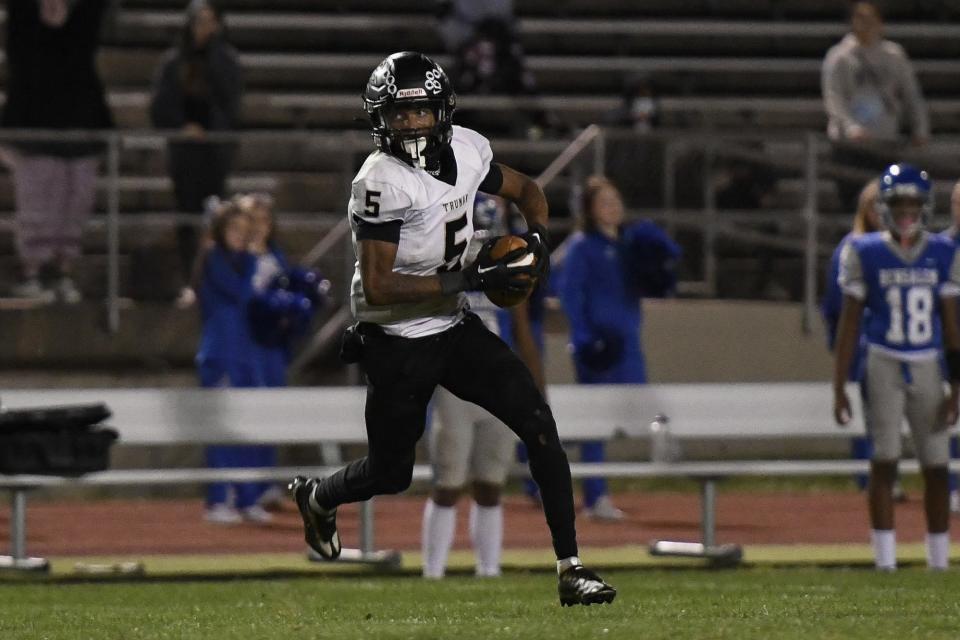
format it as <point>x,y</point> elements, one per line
<point>503,246</point>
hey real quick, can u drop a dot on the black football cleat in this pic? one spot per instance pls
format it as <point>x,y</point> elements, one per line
<point>579,585</point>
<point>319,527</point>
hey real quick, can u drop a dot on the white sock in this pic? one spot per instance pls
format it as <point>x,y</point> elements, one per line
<point>439,524</point>
<point>884,548</point>
<point>565,563</point>
<point>486,533</point>
<point>938,550</point>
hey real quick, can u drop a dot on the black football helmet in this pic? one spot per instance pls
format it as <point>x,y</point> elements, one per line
<point>405,80</point>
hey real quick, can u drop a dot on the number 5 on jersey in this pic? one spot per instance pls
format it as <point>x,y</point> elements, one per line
<point>372,204</point>
<point>917,326</point>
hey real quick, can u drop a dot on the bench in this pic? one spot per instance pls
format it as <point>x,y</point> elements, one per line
<point>335,414</point>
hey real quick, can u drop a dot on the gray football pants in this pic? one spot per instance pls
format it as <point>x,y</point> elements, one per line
<point>898,389</point>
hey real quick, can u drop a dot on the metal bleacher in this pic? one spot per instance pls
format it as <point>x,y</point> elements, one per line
<point>735,65</point>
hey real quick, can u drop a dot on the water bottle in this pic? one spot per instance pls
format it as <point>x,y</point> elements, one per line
<point>661,442</point>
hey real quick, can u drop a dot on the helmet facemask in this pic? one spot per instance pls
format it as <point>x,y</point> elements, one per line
<point>890,214</point>
<point>419,147</point>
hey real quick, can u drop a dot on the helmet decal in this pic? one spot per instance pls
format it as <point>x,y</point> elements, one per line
<point>432,83</point>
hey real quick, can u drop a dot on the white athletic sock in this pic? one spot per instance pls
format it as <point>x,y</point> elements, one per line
<point>486,533</point>
<point>439,524</point>
<point>938,550</point>
<point>884,548</point>
<point>565,563</point>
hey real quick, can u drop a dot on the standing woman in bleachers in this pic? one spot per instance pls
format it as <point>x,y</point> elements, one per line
<point>52,83</point>
<point>197,89</point>
<point>607,269</point>
<point>227,357</point>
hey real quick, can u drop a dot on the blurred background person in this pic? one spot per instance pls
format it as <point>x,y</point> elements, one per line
<point>271,347</point>
<point>458,20</point>
<point>52,83</point>
<point>468,446</point>
<point>953,232</point>
<point>865,220</point>
<point>608,267</point>
<point>871,95</point>
<point>284,301</point>
<point>489,60</point>
<point>639,108</point>
<point>198,88</point>
<point>227,356</point>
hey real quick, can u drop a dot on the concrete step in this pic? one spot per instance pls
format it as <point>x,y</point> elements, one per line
<point>727,8</point>
<point>134,68</point>
<point>379,32</point>
<point>554,73</point>
<point>293,191</point>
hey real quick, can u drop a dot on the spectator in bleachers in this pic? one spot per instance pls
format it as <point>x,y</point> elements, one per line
<point>639,109</point>
<point>871,95</point>
<point>226,356</point>
<point>198,88</point>
<point>635,163</point>
<point>460,19</point>
<point>953,232</point>
<point>742,183</point>
<point>52,84</point>
<point>607,269</point>
<point>489,56</point>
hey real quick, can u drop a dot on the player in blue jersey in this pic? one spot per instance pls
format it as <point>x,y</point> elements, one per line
<point>908,279</point>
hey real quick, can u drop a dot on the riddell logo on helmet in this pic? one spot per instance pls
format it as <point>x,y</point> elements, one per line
<point>409,93</point>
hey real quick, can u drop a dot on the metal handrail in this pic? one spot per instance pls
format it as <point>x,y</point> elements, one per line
<point>568,155</point>
<point>809,165</point>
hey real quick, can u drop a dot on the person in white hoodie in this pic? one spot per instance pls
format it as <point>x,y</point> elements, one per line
<point>871,97</point>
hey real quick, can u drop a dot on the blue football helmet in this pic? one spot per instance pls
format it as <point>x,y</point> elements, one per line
<point>905,181</point>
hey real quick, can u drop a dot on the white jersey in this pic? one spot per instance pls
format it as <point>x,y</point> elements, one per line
<point>436,225</point>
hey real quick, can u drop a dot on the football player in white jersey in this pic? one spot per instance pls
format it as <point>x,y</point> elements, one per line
<point>410,211</point>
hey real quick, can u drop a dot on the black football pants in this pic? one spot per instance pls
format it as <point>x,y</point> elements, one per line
<point>475,365</point>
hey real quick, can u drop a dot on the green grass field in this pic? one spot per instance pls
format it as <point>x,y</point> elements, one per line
<point>743,604</point>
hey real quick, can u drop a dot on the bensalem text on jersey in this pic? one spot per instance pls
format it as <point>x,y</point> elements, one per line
<point>901,289</point>
<point>435,221</point>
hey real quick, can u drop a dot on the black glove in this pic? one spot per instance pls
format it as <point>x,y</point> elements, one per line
<point>486,274</point>
<point>538,243</point>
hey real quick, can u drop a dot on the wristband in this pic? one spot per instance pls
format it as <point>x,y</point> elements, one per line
<point>953,364</point>
<point>541,231</point>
